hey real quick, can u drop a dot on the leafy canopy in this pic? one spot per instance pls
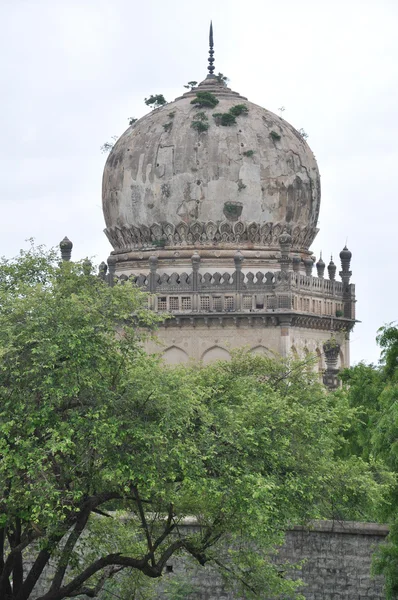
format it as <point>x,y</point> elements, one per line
<point>106,456</point>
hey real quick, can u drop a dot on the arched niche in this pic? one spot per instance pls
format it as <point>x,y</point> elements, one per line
<point>175,356</point>
<point>262,350</point>
<point>215,353</point>
<point>294,352</point>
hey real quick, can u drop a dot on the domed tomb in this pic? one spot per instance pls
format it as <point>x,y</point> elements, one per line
<point>227,182</point>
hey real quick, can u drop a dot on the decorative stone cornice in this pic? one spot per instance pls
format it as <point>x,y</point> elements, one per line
<point>258,319</point>
<point>210,233</point>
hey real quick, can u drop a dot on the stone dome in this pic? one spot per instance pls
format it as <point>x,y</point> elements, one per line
<point>168,185</point>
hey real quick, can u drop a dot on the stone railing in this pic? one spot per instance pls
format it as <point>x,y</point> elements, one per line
<point>238,292</point>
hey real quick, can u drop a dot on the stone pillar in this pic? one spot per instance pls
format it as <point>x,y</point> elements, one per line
<point>102,270</point>
<point>195,259</point>
<point>285,322</point>
<point>111,270</point>
<point>238,260</point>
<point>153,265</point>
<point>331,351</point>
<point>296,264</point>
<point>285,243</point>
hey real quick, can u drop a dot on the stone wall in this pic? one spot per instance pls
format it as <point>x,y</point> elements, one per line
<point>336,559</point>
<point>336,563</point>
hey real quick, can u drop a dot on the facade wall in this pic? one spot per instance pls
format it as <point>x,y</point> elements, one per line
<point>211,342</point>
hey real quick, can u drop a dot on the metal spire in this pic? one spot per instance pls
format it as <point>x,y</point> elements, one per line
<point>210,68</point>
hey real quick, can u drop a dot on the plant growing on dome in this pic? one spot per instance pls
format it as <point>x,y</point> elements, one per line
<point>275,136</point>
<point>171,114</point>
<point>156,101</point>
<point>200,126</point>
<point>200,122</point>
<point>107,147</point>
<point>132,120</point>
<point>205,100</point>
<point>303,133</point>
<point>225,119</point>
<point>167,126</point>
<point>248,153</point>
<point>238,109</point>
<point>190,85</point>
<point>241,185</point>
<point>221,78</point>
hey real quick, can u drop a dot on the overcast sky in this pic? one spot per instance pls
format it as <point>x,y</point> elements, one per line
<point>73,71</point>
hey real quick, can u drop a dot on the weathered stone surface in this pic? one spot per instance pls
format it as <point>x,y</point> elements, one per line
<point>336,563</point>
<point>174,174</point>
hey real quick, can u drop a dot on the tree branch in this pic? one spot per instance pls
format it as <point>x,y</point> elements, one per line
<point>167,530</point>
<point>144,525</point>
<point>68,548</point>
<point>105,561</point>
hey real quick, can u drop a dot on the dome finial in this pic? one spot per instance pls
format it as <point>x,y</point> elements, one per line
<point>210,68</point>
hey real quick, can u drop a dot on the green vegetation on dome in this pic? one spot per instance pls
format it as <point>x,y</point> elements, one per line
<point>200,122</point>
<point>205,100</point>
<point>248,153</point>
<point>221,78</point>
<point>238,109</point>
<point>275,136</point>
<point>190,85</point>
<point>229,118</point>
<point>156,101</point>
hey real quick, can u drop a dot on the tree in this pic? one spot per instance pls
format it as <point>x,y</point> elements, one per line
<point>372,392</point>
<point>190,85</point>
<point>105,453</point>
<point>156,101</point>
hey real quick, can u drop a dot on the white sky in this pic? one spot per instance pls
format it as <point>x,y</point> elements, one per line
<point>73,71</point>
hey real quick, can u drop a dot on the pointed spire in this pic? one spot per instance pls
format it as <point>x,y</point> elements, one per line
<point>210,68</point>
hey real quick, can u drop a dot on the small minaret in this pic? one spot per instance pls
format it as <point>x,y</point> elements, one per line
<point>331,351</point>
<point>285,243</point>
<point>332,269</point>
<point>320,267</point>
<point>66,249</point>
<point>345,274</point>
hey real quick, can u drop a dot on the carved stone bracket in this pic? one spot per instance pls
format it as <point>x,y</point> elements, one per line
<point>241,233</point>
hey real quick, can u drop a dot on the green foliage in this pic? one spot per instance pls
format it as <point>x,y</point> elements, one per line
<point>171,114</point>
<point>107,147</point>
<point>200,122</point>
<point>339,313</point>
<point>190,85</point>
<point>205,100</point>
<point>387,339</point>
<point>372,393</point>
<point>303,133</point>
<point>168,126</point>
<point>155,101</point>
<point>229,118</point>
<point>241,185</point>
<point>105,453</point>
<point>221,78</point>
<point>248,153</point>
<point>239,109</point>
<point>275,136</point>
<point>132,120</point>
<point>225,119</point>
